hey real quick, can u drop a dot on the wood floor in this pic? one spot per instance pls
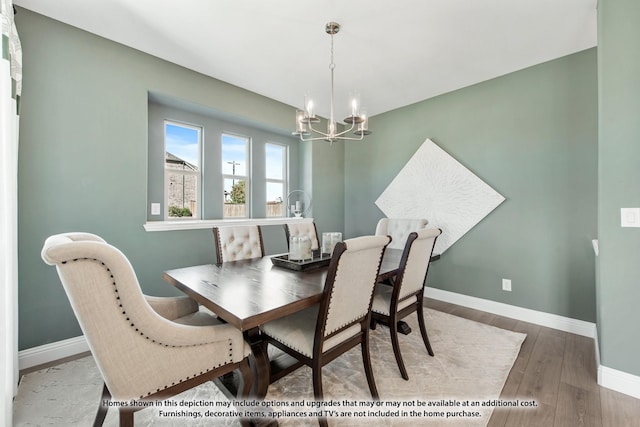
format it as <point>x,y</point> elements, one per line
<point>557,370</point>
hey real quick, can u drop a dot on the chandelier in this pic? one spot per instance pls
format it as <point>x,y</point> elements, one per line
<point>306,118</point>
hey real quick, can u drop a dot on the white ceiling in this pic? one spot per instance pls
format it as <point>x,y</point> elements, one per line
<point>393,53</point>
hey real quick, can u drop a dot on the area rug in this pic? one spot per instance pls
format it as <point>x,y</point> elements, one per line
<point>459,386</point>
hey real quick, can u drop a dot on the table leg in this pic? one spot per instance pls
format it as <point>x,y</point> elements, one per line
<point>403,327</point>
<point>259,364</point>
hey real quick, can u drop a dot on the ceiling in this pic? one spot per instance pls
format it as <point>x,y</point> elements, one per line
<point>391,53</point>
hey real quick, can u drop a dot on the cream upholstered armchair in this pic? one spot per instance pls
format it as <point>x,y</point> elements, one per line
<point>146,348</point>
<point>235,243</point>
<point>392,303</point>
<point>399,229</point>
<point>317,335</point>
<point>299,229</point>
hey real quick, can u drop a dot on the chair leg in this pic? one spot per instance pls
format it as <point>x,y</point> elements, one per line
<point>423,329</point>
<point>368,370</point>
<point>102,409</point>
<point>373,324</point>
<point>396,348</point>
<point>126,417</point>
<point>317,389</point>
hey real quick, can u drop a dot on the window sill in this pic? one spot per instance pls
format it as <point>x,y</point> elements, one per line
<point>189,224</point>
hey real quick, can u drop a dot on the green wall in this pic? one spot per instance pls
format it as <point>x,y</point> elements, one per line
<point>532,136</point>
<point>83,161</point>
<point>618,290</point>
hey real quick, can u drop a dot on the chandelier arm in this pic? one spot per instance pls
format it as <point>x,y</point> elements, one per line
<point>353,125</point>
<point>319,138</point>
<point>316,131</point>
<point>348,138</point>
<point>327,135</point>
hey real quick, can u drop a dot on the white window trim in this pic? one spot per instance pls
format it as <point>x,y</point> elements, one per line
<point>189,224</point>
<point>246,178</point>
<point>197,174</point>
<point>285,177</point>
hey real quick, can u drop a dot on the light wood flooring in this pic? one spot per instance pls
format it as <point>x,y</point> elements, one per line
<point>558,370</point>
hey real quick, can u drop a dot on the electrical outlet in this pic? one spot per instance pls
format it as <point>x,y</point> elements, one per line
<point>630,217</point>
<point>506,285</point>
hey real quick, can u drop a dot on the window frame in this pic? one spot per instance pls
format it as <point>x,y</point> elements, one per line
<point>285,176</point>
<point>213,124</point>
<point>197,215</point>
<point>246,178</point>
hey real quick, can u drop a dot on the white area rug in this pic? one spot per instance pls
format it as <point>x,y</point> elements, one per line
<point>471,363</point>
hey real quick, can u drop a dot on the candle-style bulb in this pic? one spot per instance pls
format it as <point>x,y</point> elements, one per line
<point>310,108</point>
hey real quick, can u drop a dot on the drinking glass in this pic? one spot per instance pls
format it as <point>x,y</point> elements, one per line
<point>329,241</point>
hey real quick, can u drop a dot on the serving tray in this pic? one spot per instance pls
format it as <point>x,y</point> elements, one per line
<point>318,260</point>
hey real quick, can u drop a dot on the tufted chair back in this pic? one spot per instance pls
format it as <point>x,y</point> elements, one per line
<point>399,229</point>
<point>303,229</point>
<point>138,351</point>
<point>235,243</point>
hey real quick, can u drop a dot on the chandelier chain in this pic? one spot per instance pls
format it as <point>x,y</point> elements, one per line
<point>332,66</point>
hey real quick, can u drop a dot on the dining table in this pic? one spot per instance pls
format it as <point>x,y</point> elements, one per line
<point>249,293</point>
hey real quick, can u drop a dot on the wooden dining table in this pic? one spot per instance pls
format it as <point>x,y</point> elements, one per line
<point>250,293</point>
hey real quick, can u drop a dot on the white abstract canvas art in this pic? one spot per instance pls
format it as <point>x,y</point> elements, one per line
<point>435,186</point>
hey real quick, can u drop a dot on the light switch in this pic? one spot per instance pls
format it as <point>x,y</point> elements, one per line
<point>630,217</point>
<point>155,208</point>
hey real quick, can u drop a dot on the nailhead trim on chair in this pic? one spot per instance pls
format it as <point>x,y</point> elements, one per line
<point>152,340</point>
<point>331,300</point>
<point>181,380</point>
<point>290,345</point>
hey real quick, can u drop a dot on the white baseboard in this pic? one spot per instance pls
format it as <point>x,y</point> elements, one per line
<point>619,381</point>
<point>566,324</point>
<point>597,348</point>
<point>49,352</point>
<point>607,377</point>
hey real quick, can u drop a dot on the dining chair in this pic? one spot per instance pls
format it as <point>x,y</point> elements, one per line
<point>299,229</point>
<point>392,303</point>
<point>235,243</point>
<point>399,229</point>
<point>317,335</point>
<point>146,348</point>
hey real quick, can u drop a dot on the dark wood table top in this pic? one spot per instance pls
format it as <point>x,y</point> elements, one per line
<point>249,293</point>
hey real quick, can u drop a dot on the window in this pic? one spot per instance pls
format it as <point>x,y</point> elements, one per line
<point>204,169</point>
<point>235,155</point>
<point>182,170</point>
<point>275,167</point>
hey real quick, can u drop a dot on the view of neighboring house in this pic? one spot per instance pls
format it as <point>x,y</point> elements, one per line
<point>182,187</point>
